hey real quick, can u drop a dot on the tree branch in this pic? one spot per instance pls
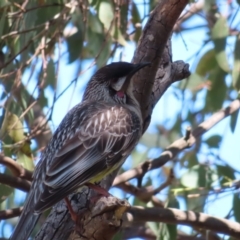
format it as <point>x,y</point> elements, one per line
<point>188,218</point>
<point>16,169</point>
<point>10,213</point>
<point>177,146</point>
<point>193,9</point>
<point>15,182</point>
<point>146,194</point>
<point>151,47</point>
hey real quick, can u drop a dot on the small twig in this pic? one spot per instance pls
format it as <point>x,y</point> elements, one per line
<point>188,218</point>
<point>188,133</point>
<point>194,8</point>
<point>178,145</point>
<point>146,194</point>
<point>15,182</point>
<point>16,169</point>
<point>10,213</point>
<point>26,30</point>
<point>35,8</point>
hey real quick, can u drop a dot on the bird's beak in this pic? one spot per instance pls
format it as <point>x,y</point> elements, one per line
<point>139,66</point>
<point>136,68</point>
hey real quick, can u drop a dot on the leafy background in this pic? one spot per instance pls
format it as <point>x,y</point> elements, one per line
<point>48,51</point>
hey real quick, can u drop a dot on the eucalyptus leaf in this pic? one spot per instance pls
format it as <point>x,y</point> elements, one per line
<point>206,63</point>
<point>220,33</point>
<point>233,120</point>
<point>4,3</point>
<point>190,178</point>
<point>5,191</point>
<point>25,160</point>
<point>106,14</point>
<point>75,44</point>
<point>236,206</point>
<point>214,141</point>
<point>13,127</point>
<point>225,174</point>
<point>51,76</point>
<point>236,64</point>
<point>3,21</point>
<point>217,92</point>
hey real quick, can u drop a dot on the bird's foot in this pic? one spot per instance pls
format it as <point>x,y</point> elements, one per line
<point>101,191</point>
<point>74,216</point>
<point>98,189</point>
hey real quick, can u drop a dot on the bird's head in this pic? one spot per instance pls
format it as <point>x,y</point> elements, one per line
<point>112,83</point>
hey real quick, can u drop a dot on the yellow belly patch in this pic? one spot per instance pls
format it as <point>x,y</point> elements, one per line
<point>103,174</point>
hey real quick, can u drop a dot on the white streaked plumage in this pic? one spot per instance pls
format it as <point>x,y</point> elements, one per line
<point>93,139</point>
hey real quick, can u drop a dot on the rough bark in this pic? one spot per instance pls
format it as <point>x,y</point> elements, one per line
<point>149,85</point>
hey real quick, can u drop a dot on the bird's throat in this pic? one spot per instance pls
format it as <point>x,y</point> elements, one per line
<point>120,94</point>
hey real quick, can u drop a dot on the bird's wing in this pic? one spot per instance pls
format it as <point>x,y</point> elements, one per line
<point>100,140</point>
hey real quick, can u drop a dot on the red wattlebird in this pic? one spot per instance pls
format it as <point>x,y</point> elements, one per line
<point>94,138</point>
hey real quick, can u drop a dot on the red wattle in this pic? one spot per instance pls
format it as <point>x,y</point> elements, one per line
<point>120,94</point>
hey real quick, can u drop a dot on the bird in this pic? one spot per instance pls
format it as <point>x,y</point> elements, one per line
<point>93,139</point>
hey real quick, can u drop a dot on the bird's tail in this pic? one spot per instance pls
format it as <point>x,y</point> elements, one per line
<point>25,226</point>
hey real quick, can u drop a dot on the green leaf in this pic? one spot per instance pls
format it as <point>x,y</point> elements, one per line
<point>172,231</point>
<point>25,161</point>
<point>3,20</point>
<point>5,191</point>
<point>236,65</point>
<point>118,236</point>
<point>14,128</point>
<point>214,141</point>
<point>220,33</point>
<point>190,179</point>
<point>217,94</point>
<point>151,140</point>
<point>119,37</point>
<point>221,54</point>
<point>136,20</point>
<point>96,47</point>
<point>190,158</point>
<point>220,29</point>
<point>233,120</point>
<point>206,63</point>
<point>124,18</point>
<point>163,233</point>
<point>43,100</point>
<point>104,55</point>
<point>236,206</point>
<point>172,228</point>
<point>51,77</point>
<point>48,13</point>
<point>106,14</point>
<point>173,202</point>
<point>95,24</point>
<point>226,173</point>
<point>154,227</point>
<point>202,179</point>
<point>75,43</point>
<point>4,3</point>
<point>138,157</point>
<point>193,82</point>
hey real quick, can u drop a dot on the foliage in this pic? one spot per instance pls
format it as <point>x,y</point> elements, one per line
<point>36,37</point>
